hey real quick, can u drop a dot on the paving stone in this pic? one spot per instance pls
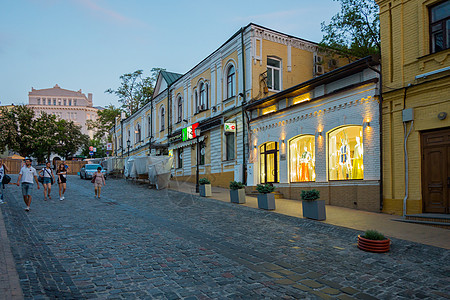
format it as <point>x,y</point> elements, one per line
<point>321,295</point>
<point>273,275</point>
<point>311,283</point>
<point>345,297</point>
<point>296,277</point>
<point>330,291</point>
<point>284,281</point>
<point>349,290</point>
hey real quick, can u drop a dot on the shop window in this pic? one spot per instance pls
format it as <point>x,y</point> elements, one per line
<point>440,26</point>
<point>302,158</point>
<point>274,74</point>
<point>345,153</point>
<point>180,158</point>
<point>231,78</point>
<point>230,148</point>
<point>202,153</point>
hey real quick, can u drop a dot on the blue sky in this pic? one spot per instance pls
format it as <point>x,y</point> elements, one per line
<point>88,44</point>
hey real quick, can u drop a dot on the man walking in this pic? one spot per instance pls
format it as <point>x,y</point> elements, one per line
<point>3,170</point>
<point>26,175</point>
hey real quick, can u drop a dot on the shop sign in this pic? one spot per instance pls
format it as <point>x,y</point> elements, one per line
<point>230,127</point>
<point>188,133</point>
<point>175,138</point>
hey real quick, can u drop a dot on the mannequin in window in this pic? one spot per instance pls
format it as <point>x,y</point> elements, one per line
<point>358,166</point>
<point>344,159</point>
<point>305,160</point>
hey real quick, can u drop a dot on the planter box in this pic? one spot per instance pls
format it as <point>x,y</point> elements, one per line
<point>266,201</point>
<point>314,209</point>
<point>205,190</point>
<point>377,246</point>
<point>237,196</point>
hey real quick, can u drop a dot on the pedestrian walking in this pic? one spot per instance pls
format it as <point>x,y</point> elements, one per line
<point>26,175</point>
<point>99,180</point>
<point>62,179</point>
<point>3,170</point>
<point>48,179</point>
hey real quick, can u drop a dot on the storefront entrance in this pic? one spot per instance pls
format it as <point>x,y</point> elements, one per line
<point>436,171</point>
<point>269,164</point>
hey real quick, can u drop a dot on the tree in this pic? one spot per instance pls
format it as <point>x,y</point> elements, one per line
<point>18,130</point>
<point>106,119</point>
<point>69,137</point>
<point>46,139</point>
<point>355,30</point>
<point>135,90</point>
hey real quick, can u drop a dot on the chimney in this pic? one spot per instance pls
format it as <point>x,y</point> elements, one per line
<point>90,99</point>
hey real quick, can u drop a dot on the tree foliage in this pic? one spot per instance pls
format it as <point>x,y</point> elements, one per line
<point>104,122</point>
<point>96,143</point>
<point>40,136</point>
<point>135,90</point>
<point>355,30</point>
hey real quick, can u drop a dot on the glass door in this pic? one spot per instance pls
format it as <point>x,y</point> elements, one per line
<point>269,164</point>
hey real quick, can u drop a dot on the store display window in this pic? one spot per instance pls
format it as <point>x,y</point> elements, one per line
<point>302,158</point>
<point>345,153</point>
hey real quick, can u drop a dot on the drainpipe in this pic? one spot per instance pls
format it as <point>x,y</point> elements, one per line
<point>406,152</point>
<point>244,102</point>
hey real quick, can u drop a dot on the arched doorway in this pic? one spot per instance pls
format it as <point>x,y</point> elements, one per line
<point>269,164</point>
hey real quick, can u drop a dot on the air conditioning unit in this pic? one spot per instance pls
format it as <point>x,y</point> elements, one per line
<point>318,59</point>
<point>318,70</point>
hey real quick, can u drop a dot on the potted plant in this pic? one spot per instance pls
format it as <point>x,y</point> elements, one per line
<point>313,208</point>
<point>266,200</point>
<point>237,192</point>
<point>204,187</point>
<point>373,241</point>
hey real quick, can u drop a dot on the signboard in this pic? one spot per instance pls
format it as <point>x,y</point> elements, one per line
<point>109,146</point>
<point>91,148</point>
<point>175,138</point>
<point>188,133</point>
<point>229,127</point>
<point>91,153</point>
<point>95,149</point>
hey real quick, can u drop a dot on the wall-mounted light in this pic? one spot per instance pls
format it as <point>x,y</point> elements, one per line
<point>282,141</point>
<point>319,133</point>
<point>254,147</point>
<point>367,124</point>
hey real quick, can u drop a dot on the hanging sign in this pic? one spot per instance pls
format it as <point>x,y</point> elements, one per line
<point>109,146</point>
<point>229,127</point>
<point>189,132</point>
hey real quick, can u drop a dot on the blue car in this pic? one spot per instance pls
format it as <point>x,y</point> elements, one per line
<point>87,171</point>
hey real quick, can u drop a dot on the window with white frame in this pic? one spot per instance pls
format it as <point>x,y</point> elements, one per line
<point>39,101</point>
<point>179,109</point>
<point>231,81</point>
<point>273,74</point>
<point>162,121</point>
<point>149,125</point>
<point>196,102</point>
<point>137,131</point>
<point>203,104</point>
<point>43,101</point>
<point>74,102</point>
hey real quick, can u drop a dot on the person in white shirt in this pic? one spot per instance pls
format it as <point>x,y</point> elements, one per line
<point>26,175</point>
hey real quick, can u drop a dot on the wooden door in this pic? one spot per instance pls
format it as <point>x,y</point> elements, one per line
<point>436,171</point>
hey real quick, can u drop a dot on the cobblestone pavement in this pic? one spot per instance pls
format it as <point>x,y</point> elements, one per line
<point>140,243</point>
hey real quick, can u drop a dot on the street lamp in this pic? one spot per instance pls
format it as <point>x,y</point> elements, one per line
<point>197,134</point>
<point>128,145</point>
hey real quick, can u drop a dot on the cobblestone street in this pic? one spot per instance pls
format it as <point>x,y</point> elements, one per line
<point>135,242</point>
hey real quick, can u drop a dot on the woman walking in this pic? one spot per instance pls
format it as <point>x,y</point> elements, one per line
<point>98,180</point>
<point>48,177</point>
<point>62,173</point>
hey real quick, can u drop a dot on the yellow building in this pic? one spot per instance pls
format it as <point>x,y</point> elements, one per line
<point>254,63</point>
<point>415,44</point>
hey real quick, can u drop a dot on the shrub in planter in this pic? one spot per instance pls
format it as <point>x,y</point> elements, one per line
<point>204,187</point>
<point>373,241</point>
<point>237,192</point>
<point>313,208</point>
<point>266,200</point>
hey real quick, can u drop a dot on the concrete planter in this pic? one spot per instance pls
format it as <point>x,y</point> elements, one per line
<point>266,201</point>
<point>314,209</point>
<point>205,190</point>
<point>237,196</point>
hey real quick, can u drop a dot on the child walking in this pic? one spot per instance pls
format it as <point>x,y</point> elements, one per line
<point>98,181</point>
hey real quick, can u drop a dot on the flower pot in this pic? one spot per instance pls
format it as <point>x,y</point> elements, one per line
<point>237,196</point>
<point>205,190</point>
<point>314,209</point>
<point>266,201</point>
<point>378,246</point>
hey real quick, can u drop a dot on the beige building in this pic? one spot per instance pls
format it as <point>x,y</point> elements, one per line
<point>415,51</point>
<point>65,104</point>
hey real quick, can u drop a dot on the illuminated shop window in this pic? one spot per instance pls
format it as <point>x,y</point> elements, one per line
<point>345,153</point>
<point>269,164</point>
<point>302,158</point>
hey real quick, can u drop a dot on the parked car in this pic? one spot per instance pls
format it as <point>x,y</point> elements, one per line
<point>87,171</point>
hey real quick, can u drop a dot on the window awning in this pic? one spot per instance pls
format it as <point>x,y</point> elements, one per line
<point>187,143</point>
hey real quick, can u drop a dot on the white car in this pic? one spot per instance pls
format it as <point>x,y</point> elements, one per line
<point>87,171</point>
